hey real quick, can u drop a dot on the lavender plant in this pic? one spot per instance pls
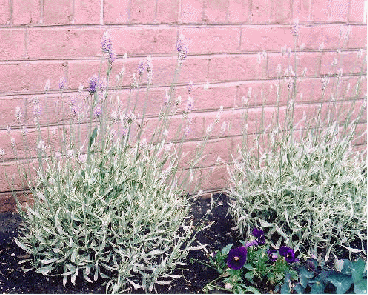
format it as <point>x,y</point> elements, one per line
<point>109,203</point>
<point>302,181</point>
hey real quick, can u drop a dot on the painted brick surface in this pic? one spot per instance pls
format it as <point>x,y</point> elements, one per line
<point>237,51</point>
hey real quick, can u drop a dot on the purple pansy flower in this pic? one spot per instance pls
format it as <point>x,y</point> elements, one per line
<point>272,254</point>
<point>259,234</point>
<point>237,258</point>
<point>288,253</point>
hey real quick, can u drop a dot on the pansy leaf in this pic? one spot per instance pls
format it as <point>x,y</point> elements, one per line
<point>360,287</point>
<point>305,276</point>
<point>285,289</point>
<point>226,249</point>
<point>347,267</point>
<point>248,266</point>
<point>357,270</point>
<point>341,282</point>
<point>299,289</point>
<point>252,290</point>
<point>249,276</point>
<point>318,288</point>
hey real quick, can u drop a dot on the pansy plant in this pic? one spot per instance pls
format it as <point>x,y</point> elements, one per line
<point>252,267</point>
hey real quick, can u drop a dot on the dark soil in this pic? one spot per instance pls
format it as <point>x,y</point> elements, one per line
<point>194,276</point>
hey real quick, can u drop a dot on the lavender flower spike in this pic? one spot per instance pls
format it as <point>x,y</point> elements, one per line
<point>106,46</point>
<point>94,85</point>
<point>237,258</point>
<point>182,48</point>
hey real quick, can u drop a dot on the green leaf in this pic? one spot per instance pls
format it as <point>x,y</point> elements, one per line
<point>248,266</point>
<point>44,270</point>
<point>299,289</point>
<point>360,287</point>
<point>92,137</point>
<point>285,289</point>
<point>226,249</point>
<point>341,282</point>
<point>317,288</point>
<point>358,269</point>
<point>305,276</point>
<point>252,290</point>
<point>249,276</point>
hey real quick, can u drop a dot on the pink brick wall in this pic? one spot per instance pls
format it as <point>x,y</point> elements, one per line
<point>234,45</point>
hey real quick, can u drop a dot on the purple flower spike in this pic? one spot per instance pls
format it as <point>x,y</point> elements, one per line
<point>288,253</point>
<point>182,48</point>
<point>237,258</point>
<point>272,254</point>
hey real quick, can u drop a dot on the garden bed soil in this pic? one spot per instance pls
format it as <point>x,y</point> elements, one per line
<point>195,275</point>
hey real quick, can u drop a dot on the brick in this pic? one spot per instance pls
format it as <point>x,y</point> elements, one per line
<point>8,203</point>
<point>281,11</point>
<point>265,38</point>
<point>116,12</point>
<point>361,141</point>
<point>310,90</point>
<point>315,35</point>
<point>213,149</point>
<point>213,178</point>
<point>167,11</point>
<point>142,11</point>
<point>143,40</point>
<point>87,11</point>
<point>57,11</point>
<point>357,11</point>
<point>302,10</point>
<point>79,72</point>
<point>259,92</point>
<point>339,10</point>
<point>64,43</point>
<point>12,44</point>
<point>320,10</point>
<point>191,128</point>
<point>238,11</point>
<point>353,87</point>
<point>260,11</point>
<point>212,40</point>
<point>234,68</point>
<point>4,12</point>
<point>305,60</point>
<point>163,70</point>
<point>350,62</point>
<point>358,37</point>
<point>30,76</point>
<point>194,69</point>
<point>191,11</point>
<point>7,107</point>
<point>216,11</point>
<point>26,12</point>
<point>212,98</point>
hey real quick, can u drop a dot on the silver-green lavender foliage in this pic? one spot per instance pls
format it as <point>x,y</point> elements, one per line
<point>109,204</point>
<point>303,183</point>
